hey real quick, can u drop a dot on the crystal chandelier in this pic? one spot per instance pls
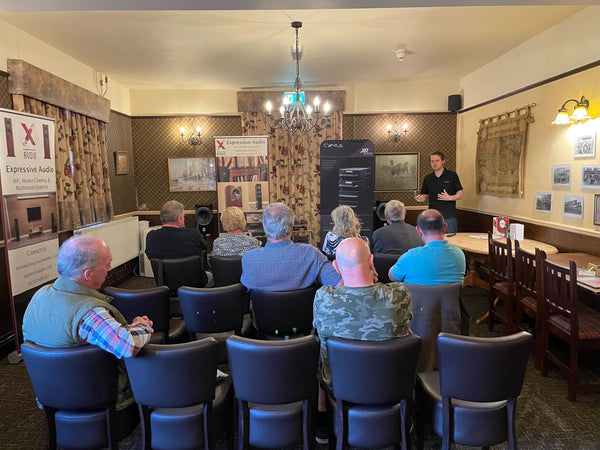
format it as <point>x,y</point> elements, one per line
<point>295,116</point>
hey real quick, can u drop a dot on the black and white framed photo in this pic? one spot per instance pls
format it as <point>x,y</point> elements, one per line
<point>561,175</point>
<point>543,202</point>
<point>585,145</point>
<point>397,172</point>
<point>573,206</point>
<point>590,176</point>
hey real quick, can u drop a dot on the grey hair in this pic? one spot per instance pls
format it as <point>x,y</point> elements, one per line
<point>278,221</point>
<point>394,210</point>
<point>77,254</point>
<point>170,211</point>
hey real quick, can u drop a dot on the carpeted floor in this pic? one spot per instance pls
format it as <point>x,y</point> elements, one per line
<point>545,419</point>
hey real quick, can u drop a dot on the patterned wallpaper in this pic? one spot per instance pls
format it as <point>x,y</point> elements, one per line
<point>5,98</point>
<point>427,133</point>
<point>156,139</point>
<point>118,138</point>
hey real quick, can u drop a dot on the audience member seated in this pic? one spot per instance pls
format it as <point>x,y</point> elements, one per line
<point>282,265</point>
<point>235,242</point>
<point>174,240</point>
<point>438,262</point>
<point>360,308</point>
<point>71,312</point>
<point>397,237</point>
<point>345,225</point>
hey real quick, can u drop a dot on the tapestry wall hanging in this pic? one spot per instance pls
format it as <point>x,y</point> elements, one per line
<point>501,143</point>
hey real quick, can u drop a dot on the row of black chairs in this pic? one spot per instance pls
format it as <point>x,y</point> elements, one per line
<point>470,401</point>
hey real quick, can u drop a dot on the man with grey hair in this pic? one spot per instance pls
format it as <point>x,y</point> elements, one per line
<point>282,265</point>
<point>174,240</point>
<point>397,237</point>
<point>71,312</point>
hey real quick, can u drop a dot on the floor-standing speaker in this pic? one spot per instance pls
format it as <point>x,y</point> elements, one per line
<point>17,234</point>
<point>53,223</point>
<point>258,190</point>
<point>204,219</point>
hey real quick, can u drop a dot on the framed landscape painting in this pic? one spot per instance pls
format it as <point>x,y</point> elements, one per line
<point>397,172</point>
<point>192,174</point>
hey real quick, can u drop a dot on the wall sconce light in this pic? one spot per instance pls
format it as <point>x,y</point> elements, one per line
<point>393,132</point>
<point>193,139</point>
<point>579,113</point>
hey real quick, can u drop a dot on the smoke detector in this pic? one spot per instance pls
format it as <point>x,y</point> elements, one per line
<point>401,54</point>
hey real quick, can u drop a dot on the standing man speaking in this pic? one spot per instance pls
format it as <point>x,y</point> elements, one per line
<point>442,187</point>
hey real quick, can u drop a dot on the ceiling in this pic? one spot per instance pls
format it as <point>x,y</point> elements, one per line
<point>186,48</point>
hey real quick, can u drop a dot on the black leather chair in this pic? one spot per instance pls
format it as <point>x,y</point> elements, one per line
<point>283,314</point>
<point>77,387</point>
<point>213,310</point>
<point>181,404</point>
<point>472,399</point>
<point>434,309</point>
<point>383,262</point>
<point>177,272</point>
<point>373,383</point>
<point>276,388</point>
<point>226,269</point>
<point>152,302</point>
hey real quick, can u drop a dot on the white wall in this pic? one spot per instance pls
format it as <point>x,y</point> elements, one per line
<point>16,44</point>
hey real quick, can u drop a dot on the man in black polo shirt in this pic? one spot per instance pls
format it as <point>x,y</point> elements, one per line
<point>442,187</point>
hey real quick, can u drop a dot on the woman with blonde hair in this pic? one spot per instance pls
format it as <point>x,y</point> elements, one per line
<point>235,242</point>
<point>345,225</point>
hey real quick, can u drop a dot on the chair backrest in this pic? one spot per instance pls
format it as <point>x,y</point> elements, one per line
<point>213,310</point>
<point>226,270</point>
<point>383,262</point>
<point>174,376</point>
<point>559,292</point>
<point>283,313</point>
<point>434,309</point>
<point>273,372</point>
<point>73,378</point>
<point>480,369</point>
<point>525,273</point>
<point>152,302</point>
<point>177,272</point>
<point>373,372</point>
<point>500,260</point>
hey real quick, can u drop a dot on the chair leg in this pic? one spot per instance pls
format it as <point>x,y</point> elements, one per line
<point>446,423</point>
<point>405,443</point>
<point>492,311</point>
<point>340,426</point>
<point>511,443</point>
<point>243,425</point>
<point>573,371</point>
<point>50,428</point>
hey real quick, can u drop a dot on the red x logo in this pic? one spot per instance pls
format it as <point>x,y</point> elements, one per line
<point>28,136</point>
<point>220,145</point>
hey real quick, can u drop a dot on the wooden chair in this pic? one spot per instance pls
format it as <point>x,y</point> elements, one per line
<point>527,273</point>
<point>570,321</point>
<point>501,285</point>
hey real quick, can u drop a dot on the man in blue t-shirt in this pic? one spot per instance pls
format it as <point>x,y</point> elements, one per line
<point>442,187</point>
<point>438,262</point>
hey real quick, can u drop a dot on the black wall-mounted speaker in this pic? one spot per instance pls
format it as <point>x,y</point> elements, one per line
<point>454,102</point>
<point>204,219</point>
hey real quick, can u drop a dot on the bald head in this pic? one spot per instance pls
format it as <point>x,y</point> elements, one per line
<point>353,261</point>
<point>431,225</point>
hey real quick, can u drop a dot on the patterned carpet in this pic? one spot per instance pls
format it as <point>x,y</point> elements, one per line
<point>545,419</point>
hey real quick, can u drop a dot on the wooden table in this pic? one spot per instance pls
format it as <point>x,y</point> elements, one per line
<point>475,247</point>
<point>581,261</point>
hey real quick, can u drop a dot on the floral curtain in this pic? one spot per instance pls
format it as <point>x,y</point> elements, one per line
<point>295,164</point>
<point>82,183</point>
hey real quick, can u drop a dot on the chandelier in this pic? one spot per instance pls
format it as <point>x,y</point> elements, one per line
<point>295,116</point>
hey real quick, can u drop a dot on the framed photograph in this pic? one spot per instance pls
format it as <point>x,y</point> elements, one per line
<point>121,162</point>
<point>561,175</point>
<point>573,206</point>
<point>596,209</point>
<point>192,174</point>
<point>397,172</point>
<point>543,202</point>
<point>590,176</point>
<point>585,145</point>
